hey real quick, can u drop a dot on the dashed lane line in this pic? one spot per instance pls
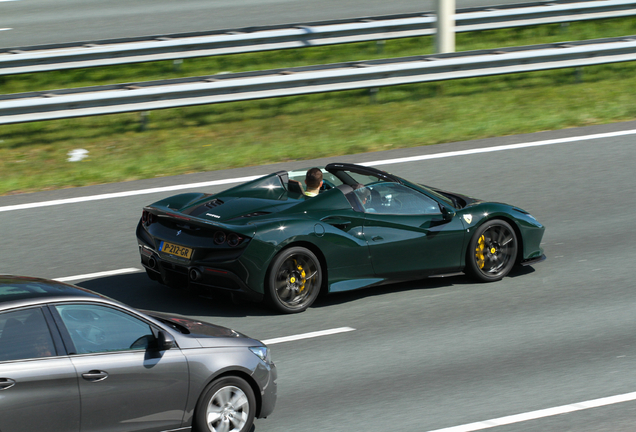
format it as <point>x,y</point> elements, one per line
<point>309,335</point>
<point>533,415</point>
<point>98,274</point>
<point>470,427</point>
<point>267,341</point>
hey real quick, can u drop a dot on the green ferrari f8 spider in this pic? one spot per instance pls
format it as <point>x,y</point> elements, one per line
<point>266,240</point>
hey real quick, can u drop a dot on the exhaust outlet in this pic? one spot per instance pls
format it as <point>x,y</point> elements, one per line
<point>195,274</point>
<point>152,262</point>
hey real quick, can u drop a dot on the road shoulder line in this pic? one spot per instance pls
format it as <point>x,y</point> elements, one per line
<point>373,163</point>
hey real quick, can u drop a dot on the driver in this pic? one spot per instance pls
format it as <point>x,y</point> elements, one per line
<point>313,181</point>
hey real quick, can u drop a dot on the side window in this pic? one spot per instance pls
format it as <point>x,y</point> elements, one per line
<point>397,199</point>
<point>95,329</point>
<point>24,335</point>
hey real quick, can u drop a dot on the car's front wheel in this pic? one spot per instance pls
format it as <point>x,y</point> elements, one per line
<point>294,280</point>
<point>226,405</point>
<point>492,251</point>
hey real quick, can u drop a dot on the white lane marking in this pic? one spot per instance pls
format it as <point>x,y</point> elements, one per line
<point>533,415</point>
<point>99,274</point>
<point>375,163</point>
<point>3,29</point>
<point>307,335</point>
<point>470,427</point>
<point>502,148</point>
<point>125,194</point>
<point>267,341</point>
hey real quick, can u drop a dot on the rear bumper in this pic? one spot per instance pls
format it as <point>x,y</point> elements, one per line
<point>191,276</point>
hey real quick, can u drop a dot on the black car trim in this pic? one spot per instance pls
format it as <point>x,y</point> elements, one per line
<point>533,260</point>
<point>337,168</point>
<point>61,328</point>
<point>60,347</point>
<point>165,273</point>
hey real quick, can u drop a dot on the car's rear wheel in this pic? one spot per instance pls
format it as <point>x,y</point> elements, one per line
<point>492,251</point>
<point>294,280</point>
<point>226,405</point>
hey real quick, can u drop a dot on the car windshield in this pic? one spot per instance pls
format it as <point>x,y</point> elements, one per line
<point>342,175</point>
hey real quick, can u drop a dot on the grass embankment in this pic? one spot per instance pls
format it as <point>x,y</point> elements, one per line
<point>33,156</point>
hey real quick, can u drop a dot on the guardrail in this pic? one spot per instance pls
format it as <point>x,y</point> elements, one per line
<point>145,96</point>
<point>181,46</point>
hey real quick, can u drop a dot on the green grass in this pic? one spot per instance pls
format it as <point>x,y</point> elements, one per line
<point>33,156</point>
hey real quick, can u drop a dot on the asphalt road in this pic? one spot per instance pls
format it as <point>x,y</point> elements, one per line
<point>34,22</point>
<point>424,355</point>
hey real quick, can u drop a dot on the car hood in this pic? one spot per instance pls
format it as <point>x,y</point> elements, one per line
<point>195,328</point>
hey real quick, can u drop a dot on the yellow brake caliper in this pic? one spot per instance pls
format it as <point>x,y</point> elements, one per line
<point>301,282</point>
<point>479,252</point>
<point>302,275</point>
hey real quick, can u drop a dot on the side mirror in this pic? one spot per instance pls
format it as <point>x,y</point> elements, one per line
<point>165,341</point>
<point>448,216</point>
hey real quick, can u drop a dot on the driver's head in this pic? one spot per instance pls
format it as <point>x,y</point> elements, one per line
<point>313,179</point>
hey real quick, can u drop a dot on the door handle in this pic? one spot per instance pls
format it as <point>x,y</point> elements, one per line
<point>95,375</point>
<point>6,383</point>
<point>377,238</point>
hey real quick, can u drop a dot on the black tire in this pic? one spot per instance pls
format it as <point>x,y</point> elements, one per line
<point>226,405</point>
<point>294,280</point>
<point>492,251</point>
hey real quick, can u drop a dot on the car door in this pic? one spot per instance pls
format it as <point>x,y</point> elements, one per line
<point>407,234</point>
<point>38,383</point>
<point>125,384</point>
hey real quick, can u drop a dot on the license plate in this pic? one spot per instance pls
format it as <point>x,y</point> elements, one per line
<point>176,250</point>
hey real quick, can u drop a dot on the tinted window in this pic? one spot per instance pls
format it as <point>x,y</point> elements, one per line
<point>95,328</point>
<point>394,198</point>
<point>25,335</point>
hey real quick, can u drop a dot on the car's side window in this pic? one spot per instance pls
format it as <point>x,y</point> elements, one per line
<point>96,328</point>
<point>397,199</point>
<point>25,334</point>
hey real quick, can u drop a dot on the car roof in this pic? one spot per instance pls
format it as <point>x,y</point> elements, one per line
<point>22,288</point>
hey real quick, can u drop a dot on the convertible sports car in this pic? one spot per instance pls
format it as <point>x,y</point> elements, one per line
<point>266,240</point>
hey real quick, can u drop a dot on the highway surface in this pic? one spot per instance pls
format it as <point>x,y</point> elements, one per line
<point>554,346</point>
<point>34,22</point>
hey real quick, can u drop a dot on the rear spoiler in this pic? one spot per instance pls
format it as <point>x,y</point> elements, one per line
<point>163,212</point>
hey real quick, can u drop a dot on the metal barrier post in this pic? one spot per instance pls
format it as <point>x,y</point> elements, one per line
<point>445,26</point>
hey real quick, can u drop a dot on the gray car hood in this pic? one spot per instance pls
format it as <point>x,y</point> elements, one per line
<point>207,334</point>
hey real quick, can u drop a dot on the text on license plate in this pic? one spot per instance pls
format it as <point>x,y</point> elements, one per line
<point>174,249</point>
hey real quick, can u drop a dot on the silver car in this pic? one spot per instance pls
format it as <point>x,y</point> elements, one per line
<point>74,360</point>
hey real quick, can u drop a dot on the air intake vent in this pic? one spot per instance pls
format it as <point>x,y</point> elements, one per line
<point>214,203</point>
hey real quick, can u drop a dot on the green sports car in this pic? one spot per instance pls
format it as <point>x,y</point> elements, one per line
<point>266,240</point>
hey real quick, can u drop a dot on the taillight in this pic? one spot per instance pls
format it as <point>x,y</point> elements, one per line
<point>147,218</point>
<point>219,237</point>
<point>231,239</point>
